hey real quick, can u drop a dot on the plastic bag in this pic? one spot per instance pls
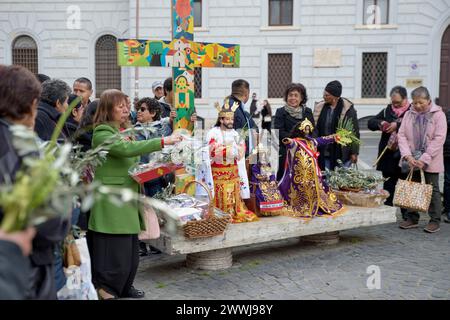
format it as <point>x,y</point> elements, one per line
<point>79,280</point>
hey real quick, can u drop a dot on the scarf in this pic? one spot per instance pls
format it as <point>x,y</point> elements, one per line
<point>420,129</point>
<point>401,110</point>
<point>296,113</point>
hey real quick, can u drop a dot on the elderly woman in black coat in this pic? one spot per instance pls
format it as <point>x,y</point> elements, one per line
<point>286,118</point>
<point>388,121</point>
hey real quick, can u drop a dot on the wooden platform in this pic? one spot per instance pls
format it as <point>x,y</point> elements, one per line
<point>215,253</point>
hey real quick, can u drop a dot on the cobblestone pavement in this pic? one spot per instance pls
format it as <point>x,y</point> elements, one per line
<point>413,265</point>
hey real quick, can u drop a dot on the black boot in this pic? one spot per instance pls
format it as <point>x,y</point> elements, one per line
<point>143,249</point>
<point>134,293</point>
<point>153,250</point>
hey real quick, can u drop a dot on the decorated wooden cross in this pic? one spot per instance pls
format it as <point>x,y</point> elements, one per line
<point>183,55</point>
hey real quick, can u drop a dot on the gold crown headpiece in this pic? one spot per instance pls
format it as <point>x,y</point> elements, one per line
<point>226,110</point>
<point>305,123</point>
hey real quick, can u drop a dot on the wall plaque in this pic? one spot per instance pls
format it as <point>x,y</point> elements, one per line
<point>327,57</point>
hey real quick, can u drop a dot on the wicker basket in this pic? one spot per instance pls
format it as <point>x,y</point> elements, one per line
<point>350,189</point>
<point>361,199</point>
<point>210,226</point>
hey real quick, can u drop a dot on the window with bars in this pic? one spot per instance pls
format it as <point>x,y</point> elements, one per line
<point>107,73</point>
<point>25,53</point>
<point>374,75</point>
<point>281,12</point>
<point>197,13</point>
<point>280,74</point>
<point>198,82</point>
<point>376,12</point>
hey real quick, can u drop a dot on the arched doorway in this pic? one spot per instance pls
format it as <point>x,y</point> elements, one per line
<point>108,74</point>
<point>25,53</point>
<point>444,84</point>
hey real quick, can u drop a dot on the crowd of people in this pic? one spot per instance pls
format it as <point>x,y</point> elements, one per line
<point>413,138</point>
<point>38,103</point>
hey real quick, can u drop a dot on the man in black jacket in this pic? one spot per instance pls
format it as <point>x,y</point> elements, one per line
<point>167,101</point>
<point>327,115</point>
<point>240,93</point>
<point>82,87</point>
<point>54,97</point>
<point>254,107</point>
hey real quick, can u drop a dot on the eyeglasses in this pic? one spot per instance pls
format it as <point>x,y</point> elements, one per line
<point>142,109</point>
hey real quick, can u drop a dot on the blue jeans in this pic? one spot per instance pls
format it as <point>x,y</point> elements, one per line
<point>75,215</point>
<point>60,277</point>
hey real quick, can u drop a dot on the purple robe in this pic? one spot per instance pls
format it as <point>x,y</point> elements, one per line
<point>265,188</point>
<point>305,192</point>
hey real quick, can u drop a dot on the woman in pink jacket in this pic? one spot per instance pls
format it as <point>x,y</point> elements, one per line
<point>421,141</point>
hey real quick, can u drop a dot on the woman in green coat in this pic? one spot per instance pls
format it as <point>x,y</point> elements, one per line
<point>114,229</point>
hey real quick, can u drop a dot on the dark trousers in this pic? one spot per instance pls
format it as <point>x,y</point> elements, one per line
<point>267,126</point>
<point>447,185</point>
<point>153,187</point>
<point>114,262</point>
<point>435,209</point>
<point>42,284</point>
<point>389,185</point>
<point>281,162</point>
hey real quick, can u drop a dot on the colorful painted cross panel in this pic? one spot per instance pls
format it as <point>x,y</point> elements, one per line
<point>177,53</point>
<point>182,54</point>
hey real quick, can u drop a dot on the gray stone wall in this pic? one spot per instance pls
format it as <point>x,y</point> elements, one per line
<point>413,35</point>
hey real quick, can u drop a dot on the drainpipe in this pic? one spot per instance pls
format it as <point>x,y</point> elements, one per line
<point>136,69</point>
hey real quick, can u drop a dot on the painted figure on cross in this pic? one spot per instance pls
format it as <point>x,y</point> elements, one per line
<point>181,54</point>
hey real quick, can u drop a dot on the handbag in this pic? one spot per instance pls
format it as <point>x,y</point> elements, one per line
<point>150,218</point>
<point>414,196</point>
<point>405,164</point>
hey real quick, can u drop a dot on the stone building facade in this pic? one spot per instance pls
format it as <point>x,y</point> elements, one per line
<point>369,45</point>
